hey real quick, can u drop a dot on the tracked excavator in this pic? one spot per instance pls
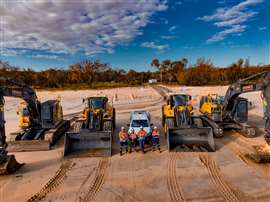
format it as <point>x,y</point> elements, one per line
<point>41,124</point>
<point>181,127</point>
<point>92,133</point>
<point>231,111</point>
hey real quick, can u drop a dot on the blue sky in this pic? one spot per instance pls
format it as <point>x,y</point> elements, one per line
<point>130,33</point>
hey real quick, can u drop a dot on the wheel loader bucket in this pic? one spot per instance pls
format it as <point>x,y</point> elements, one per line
<point>200,137</point>
<point>10,165</point>
<point>88,143</point>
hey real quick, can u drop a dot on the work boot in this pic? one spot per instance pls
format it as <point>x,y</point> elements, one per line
<point>159,150</point>
<point>121,153</point>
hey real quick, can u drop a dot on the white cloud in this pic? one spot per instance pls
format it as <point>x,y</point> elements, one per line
<point>262,28</point>
<point>68,27</point>
<point>7,52</point>
<point>168,37</point>
<point>153,45</point>
<point>172,29</point>
<point>233,18</point>
<point>236,29</point>
<point>50,57</point>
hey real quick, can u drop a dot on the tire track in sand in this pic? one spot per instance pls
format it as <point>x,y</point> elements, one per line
<point>223,187</point>
<point>176,194</point>
<point>98,181</point>
<point>53,183</point>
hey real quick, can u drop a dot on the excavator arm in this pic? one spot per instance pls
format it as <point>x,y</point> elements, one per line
<point>257,82</point>
<point>11,88</point>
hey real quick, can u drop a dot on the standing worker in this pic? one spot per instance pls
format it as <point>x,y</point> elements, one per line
<point>141,135</point>
<point>132,140</point>
<point>123,137</point>
<point>155,139</point>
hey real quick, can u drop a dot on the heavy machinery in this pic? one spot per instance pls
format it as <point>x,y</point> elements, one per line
<point>182,127</point>
<point>41,124</point>
<point>92,134</point>
<point>231,111</point>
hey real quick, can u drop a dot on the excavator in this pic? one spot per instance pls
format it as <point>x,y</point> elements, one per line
<point>231,111</point>
<point>92,133</point>
<point>182,127</point>
<point>42,124</point>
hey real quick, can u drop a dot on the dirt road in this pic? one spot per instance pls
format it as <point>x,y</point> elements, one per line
<point>224,175</point>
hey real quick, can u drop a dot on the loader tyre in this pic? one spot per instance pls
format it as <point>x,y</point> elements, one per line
<point>108,126</point>
<point>163,116</point>
<point>77,126</point>
<point>113,118</point>
<point>169,123</point>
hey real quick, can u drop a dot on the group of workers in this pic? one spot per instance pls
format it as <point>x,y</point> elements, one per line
<point>129,140</point>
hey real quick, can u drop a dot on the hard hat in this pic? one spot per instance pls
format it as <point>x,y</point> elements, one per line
<point>122,128</point>
<point>141,127</point>
<point>132,129</point>
<point>155,127</point>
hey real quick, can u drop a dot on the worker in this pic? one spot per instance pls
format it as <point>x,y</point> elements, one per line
<point>123,137</point>
<point>141,135</point>
<point>155,139</point>
<point>132,140</point>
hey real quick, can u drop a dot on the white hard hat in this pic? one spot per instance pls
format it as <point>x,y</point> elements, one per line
<point>132,129</point>
<point>155,127</point>
<point>141,127</point>
<point>122,128</point>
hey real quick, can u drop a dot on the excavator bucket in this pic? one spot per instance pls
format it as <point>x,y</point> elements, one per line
<point>9,165</point>
<point>88,143</point>
<point>190,137</point>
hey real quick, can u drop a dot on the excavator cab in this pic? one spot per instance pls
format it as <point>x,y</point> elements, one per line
<point>23,116</point>
<point>92,134</point>
<point>181,127</point>
<point>51,114</point>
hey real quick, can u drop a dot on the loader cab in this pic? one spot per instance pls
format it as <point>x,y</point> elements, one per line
<point>97,103</point>
<point>180,100</point>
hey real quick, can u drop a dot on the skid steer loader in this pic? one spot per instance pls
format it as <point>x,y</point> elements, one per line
<point>182,127</point>
<point>92,133</point>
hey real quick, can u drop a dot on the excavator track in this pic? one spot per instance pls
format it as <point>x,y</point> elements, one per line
<point>176,194</point>
<point>98,181</point>
<point>223,187</point>
<point>53,183</point>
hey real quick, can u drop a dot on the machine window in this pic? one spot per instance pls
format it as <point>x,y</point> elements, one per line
<point>139,123</point>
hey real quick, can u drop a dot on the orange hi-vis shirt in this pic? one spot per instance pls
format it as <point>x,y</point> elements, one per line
<point>141,133</point>
<point>155,133</point>
<point>132,136</point>
<point>123,135</point>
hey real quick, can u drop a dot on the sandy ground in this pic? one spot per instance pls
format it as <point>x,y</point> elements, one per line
<point>224,175</point>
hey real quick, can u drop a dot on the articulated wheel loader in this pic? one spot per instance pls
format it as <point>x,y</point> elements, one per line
<point>182,127</point>
<point>92,134</point>
<point>231,111</point>
<point>41,124</point>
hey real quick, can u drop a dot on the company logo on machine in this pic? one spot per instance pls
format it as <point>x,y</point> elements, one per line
<point>247,88</point>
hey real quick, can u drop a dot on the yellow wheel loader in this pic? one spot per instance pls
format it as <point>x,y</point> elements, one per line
<point>92,134</point>
<point>182,127</point>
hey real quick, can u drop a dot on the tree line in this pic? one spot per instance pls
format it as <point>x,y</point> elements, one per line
<point>96,74</point>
